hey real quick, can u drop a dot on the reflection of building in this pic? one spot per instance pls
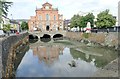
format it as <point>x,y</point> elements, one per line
<point>46,18</point>
<point>47,54</point>
<point>119,13</point>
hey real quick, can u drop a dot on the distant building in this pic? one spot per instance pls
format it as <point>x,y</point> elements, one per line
<point>15,26</point>
<point>46,19</point>
<point>66,24</point>
<point>119,13</point>
<point>21,20</point>
<point>5,20</point>
<point>115,17</point>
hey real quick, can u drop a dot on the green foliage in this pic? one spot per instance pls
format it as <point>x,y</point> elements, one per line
<point>86,35</point>
<point>81,21</point>
<point>6,27</point>
<point>24,25</point>
<point>5,6</point>
<point>75,21</point>
<point>90,18</point>
<point>78,54</point>
<point>104,20</point>
<point>64,42</point>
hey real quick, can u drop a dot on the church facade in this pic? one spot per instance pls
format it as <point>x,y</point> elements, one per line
<point>47,18</point>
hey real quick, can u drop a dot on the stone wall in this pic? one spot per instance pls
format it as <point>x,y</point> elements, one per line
<point>5,46</point>
<point>0,58</point>
<point>102,38</point>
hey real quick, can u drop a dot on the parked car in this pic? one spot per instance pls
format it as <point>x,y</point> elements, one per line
<point>2,33</point>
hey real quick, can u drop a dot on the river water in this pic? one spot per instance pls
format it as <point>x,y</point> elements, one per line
<point>63,58</point>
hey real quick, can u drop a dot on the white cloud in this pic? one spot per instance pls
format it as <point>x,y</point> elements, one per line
<point>26,8</point>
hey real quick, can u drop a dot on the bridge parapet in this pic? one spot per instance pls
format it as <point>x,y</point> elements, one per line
<point>51,33</point>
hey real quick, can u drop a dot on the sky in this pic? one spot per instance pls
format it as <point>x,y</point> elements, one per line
<point>23,9</point>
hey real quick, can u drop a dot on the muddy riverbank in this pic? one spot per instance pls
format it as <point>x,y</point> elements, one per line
<point>110,70</point>
<point>54,58</point>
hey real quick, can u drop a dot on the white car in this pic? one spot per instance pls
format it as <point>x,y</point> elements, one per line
<point>2,33</point>
<point>73,29</point>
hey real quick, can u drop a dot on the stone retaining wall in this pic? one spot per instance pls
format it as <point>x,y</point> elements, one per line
<point>104,39</point>
<point>5,46</point>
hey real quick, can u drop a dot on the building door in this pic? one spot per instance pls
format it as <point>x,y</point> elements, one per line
<point>47,28</point>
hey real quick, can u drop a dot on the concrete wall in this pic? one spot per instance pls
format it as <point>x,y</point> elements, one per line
<point>104,39</point>
<point>5,46</point>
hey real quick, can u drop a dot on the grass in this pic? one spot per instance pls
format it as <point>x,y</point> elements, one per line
<point>86,35</point>
<point>64,42</point>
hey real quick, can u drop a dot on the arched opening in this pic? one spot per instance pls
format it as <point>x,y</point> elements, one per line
<point>58,37</point>
<point>47,28</point>
<point>33,38</point>
<point>45,38</point>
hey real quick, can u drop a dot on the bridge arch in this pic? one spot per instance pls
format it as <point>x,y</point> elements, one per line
<point>51,33</point>
<point>45,38</point>
<point>31,36</point>
<point>57,36</point>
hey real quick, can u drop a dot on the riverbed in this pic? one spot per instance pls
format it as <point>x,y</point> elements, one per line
<point>64,58</point>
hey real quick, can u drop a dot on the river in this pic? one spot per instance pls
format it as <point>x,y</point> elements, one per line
<point>63,58</point>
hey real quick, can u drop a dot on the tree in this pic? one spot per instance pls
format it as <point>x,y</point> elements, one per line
<point>24,25</point>
<point>4,6</point>
<point>90,18</point>
<point>82,21</point>
<point>104,19</point>
<point>75,21</point>
<point>6,27</point>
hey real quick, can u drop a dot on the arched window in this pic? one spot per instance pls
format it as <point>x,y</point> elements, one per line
<point>47,17</point>
<point>40,26</point>
<point>54,17</point>
<point>40,17</point>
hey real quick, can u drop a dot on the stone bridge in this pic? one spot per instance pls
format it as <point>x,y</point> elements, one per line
<point>51,33</point>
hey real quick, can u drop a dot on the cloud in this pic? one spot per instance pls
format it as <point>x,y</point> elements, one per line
<point>26,8</point>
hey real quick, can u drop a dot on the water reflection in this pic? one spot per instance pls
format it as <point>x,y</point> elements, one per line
<point>47,54</point>
<point>53,61</point>
<point>45,39</point>
<point>33,40</point>
<point>56,60</point>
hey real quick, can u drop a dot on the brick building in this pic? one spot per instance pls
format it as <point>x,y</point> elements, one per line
<point>47,18</point>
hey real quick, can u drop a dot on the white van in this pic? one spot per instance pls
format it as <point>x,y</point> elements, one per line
<point>2,33</point>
